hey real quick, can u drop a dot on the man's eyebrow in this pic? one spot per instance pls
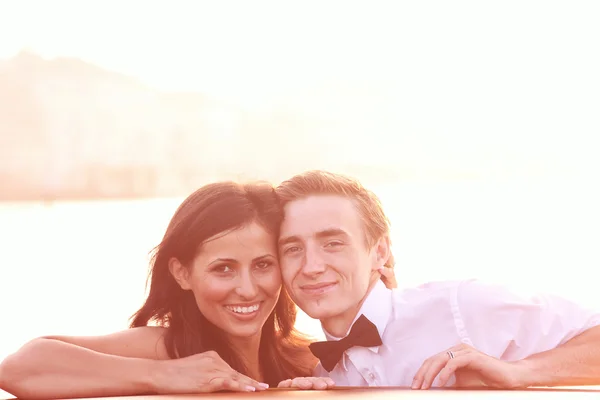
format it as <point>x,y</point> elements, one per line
<point>331,232</point>
<point>320,235</point>
<point>288,239</point>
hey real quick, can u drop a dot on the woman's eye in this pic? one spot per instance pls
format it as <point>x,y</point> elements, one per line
<point>223,269</point>
<point>263,264</point>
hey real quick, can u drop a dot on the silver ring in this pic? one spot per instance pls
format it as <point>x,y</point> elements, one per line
<point>450,354</point>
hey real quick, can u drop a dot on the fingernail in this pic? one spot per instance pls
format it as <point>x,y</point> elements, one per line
<point>250,388</point>
<point>264,385</point>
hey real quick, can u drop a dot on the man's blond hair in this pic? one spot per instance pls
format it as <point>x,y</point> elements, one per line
<point>316,182</point>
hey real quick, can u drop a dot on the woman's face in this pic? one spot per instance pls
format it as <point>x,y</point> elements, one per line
<point>235,279</point>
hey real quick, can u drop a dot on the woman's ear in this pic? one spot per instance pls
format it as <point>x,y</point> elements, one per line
<point>180,273</point>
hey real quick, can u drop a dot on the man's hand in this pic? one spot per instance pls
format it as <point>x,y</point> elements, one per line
<point>307,383</point>
<point>471,368</point>
<point>201,373</point>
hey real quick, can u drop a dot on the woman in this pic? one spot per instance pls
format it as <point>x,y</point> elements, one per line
<point>216,316</point>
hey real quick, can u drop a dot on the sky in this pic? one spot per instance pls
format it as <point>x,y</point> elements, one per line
<point>498,85</point>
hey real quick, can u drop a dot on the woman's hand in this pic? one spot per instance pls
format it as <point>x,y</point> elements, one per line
<point>307,383</point>
<point>388,277</point>
<point>201,373</point>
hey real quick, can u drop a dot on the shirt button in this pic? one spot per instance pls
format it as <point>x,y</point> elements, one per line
<point>372,376</point>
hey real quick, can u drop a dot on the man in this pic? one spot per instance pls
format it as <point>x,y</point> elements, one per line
<point>333,241</point>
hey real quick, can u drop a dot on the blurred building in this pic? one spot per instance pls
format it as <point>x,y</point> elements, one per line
<point>72,129</point>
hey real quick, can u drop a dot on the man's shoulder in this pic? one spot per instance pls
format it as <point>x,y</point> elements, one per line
<point>431,294</point>
<point>466,286</point>
<point>425,310</point>
<point>429,288</point>
<point>451,292</point>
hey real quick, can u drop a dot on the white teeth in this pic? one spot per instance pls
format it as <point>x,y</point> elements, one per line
<point>243,310</point>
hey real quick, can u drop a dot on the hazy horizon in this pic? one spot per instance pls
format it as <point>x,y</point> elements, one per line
<point>434,91</point>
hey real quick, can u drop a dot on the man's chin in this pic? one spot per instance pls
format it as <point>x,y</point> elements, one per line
<point>320,312</point>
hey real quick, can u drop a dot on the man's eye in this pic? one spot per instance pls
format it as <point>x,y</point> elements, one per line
<point>333,244</point>
<point>292,249</point>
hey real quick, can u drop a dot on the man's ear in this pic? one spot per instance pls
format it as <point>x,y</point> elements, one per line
<point>180,273</point>
<point>382,252</point>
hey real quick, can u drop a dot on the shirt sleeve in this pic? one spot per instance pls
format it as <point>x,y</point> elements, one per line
<point>503,324</point>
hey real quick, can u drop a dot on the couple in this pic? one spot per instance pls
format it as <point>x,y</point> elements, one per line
<point>220,312</point>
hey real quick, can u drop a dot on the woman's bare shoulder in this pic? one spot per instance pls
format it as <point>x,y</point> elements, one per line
<point>141,342</point>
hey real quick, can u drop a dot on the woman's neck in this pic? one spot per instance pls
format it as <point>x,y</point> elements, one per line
<point>247,349</point>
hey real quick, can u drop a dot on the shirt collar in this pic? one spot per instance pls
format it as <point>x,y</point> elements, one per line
<point>377,307</point>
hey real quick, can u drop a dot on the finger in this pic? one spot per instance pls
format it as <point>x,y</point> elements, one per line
<point>324,383</point>
<point>237,386</point>
<point>452,366</point>
<point>302,383</point>
<point>319,384</point>
<point>458,352</point>
<point>388,277</point>
<point>285,384</point>
<point>219,384</point>
<point>418,379</point>
<point>222,368</point>
<point>434,369</point>
<point>247,381</point>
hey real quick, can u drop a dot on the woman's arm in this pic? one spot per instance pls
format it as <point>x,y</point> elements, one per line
<point>115,364</point>
<point>131,362</point>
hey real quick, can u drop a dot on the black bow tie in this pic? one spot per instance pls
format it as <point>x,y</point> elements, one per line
<point>363,333</point>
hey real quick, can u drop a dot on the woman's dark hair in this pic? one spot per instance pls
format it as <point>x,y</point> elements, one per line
<point>213,209</point>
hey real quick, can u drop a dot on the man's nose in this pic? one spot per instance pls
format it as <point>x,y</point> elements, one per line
<point>247,287</point>
<point>313,262</point>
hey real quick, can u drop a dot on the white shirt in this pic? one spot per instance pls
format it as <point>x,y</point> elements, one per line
<point>418,323</point>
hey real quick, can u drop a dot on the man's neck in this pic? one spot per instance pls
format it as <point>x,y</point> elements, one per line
<point>339,325</point>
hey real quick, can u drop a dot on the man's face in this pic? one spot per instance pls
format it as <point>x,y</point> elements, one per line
<point>325,263</point>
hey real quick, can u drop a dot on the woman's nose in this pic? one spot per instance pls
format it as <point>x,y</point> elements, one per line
<point>247,287</point>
